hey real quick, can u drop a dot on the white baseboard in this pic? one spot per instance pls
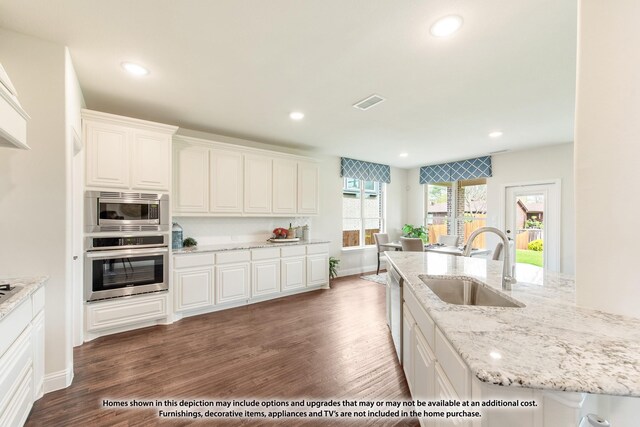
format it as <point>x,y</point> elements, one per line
<point>58,380</point>
<point>359,270</point>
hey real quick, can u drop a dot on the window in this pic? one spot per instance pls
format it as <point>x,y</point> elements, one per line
<point>362,212</point>
<point>456,208</point>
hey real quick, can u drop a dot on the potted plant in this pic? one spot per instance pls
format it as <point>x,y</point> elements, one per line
<point>409,230</point>
<point>333,267</point>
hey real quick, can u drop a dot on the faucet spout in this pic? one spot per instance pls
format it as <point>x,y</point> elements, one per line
<point>507,279</point>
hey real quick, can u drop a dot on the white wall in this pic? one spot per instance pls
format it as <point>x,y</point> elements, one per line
<point>548,162</point>
<point>607,158</point>
<point>537,164</point>
<point>34,190</point>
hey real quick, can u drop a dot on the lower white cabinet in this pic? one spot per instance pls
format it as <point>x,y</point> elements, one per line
<point>408,333</point>
<point>293,273</point>
<point>193,288</point>
<point>232,282</point>
<point>317,269</point>
<point>124,312</point>
<point>21,359</point>
<point>265,277</point>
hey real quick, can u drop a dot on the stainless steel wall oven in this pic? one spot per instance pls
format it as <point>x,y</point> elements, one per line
<point>122,265</point>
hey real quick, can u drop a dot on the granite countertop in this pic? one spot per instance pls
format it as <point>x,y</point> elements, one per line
<point>26,285</point>
<point>549,344</point>
<point>237,246</point>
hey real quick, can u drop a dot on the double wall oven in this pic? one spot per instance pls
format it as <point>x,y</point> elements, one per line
<point>127,248</point>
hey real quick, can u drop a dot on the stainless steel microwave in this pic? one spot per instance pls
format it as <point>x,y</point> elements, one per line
<point>112,211</point>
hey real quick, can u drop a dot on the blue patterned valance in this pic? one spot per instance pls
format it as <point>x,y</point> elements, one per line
<point>479,167</point>
<point>366,171</point>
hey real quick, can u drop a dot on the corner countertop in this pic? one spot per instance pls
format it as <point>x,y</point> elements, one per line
<point>27,285</point>
<point>550,344</point>
<point>237,246</point>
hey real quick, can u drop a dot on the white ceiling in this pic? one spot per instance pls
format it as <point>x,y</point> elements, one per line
<point>239,67</point>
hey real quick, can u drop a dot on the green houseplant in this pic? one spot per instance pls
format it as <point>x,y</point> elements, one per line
<point>333,267</point>
<point>409,230</point>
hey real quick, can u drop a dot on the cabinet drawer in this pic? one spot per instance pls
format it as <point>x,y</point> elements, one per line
<point>13,324</point>
<point>293,251</point>
<point>200,260</point>
<point>317,249</point>
<point>37,299</point>
<point>424,321</point>
<point>456,370</point>
<point>13,366</point>
<point>269,253</point>
<point>15,407</point>
<point>126,311</point>
<point>232,256</point>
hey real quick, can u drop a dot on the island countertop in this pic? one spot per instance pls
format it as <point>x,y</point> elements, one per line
<point>549,344</point>
<point>26,286</point>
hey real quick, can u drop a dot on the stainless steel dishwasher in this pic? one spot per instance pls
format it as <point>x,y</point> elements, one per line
<point>394,308</point>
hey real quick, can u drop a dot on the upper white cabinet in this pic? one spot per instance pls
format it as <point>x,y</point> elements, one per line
<point>258,172</point>
<point>218,179</point>
<point>308,188</point>
<point>126,153</point>
<point>285,186</point>
<point>226,189</point>
<point>13,119</point>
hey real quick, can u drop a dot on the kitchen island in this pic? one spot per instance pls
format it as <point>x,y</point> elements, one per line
<point>548,349</point>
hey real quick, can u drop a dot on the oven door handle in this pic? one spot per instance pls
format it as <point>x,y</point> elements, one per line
<point>127,253</point>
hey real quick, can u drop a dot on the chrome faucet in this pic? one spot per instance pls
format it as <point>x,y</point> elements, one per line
<point>507,276</point>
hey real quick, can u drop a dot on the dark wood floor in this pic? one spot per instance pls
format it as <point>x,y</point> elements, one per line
<point>326,344</point>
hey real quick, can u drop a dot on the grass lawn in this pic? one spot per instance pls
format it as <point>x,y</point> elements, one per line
<point>529,257</point>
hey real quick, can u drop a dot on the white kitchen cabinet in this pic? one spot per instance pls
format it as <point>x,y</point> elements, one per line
<point>151,160</point>
<point>122,313</point>
<point>193,288</point>
<point>258,173</point>
<point>265,277</point>
<point>308,188</point>
<point>232,282</point>
<point>317,269</point>
<point>123,152</point>
<point>293,273</point>
<point>191,178</point>
<point>444,390</point>
<point>285,186</point>
<point>226,182</point>
<point>13,119</point>
<point>107,154</point>
<point>408,332</point>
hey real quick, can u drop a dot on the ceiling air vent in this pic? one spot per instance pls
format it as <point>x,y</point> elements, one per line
<point>368,102</point>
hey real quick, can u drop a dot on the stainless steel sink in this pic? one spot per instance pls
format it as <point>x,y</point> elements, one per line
<point>468,291</point>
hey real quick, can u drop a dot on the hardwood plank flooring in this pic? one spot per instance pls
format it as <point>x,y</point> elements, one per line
<point>325,344</point>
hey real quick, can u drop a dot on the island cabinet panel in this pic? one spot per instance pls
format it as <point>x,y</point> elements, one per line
<point>108,158</point>
<point>258,173</point>
<point>457,371</point>
<point>408,333</point>
<point>226,185</point>
<point>293,273</point>
<point>232,282</point>
<point>285,186</point>
<point>191,178</point>
<point>193,288</point>
<point>151,160</point>
<point>444,390</point>
<point>423,368</point>
<point>308,188</point>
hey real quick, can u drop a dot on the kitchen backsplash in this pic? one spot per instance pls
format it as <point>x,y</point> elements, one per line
<point>211,231</point>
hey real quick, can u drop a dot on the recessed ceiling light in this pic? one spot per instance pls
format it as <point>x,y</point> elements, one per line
<point>495,355</point>
<point>296,115</point>
<point>404,154</point>
<point>495,134</point>
<point>446,26</point>
<point>135,69</point>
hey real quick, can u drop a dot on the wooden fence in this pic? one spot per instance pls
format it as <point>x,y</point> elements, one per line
<point>352,237</point>
<point>437,230</point>
<point>524,236</point>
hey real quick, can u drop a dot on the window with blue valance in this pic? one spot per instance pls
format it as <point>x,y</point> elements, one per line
<point>365,171</point>
<point>479,167</point>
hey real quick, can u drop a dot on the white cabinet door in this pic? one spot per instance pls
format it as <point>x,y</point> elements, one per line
<point>232,282</point>
<point>226,182</point>
<point>408,326</point>
<point>423,371</point>
<point>285,186</point>
<point>443,390</point>
<point>191,178</point>
<point>258,171</point>
<point>308,188</point>
<point>265,277</point>
<point>317,270</point>
<point>37,332</point>
<point>107,155</point>
<point>293,273</point>
<point>193,288</point>
<point>151,161</point>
